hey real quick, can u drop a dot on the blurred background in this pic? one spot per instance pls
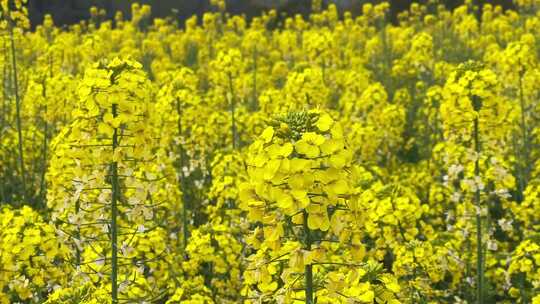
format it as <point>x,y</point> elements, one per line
<point>67,12</point>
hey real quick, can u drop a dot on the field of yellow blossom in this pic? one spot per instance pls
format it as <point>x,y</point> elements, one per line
<point>319,160</point>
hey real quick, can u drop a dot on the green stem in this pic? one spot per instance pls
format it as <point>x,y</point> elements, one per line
<point>465,291</point>
<point>185,226</point>
<point>387,60</point>
<point>308,268</point>
<point>114,211</point>
<point>518,168</point>
<point>524,166</point>
<point>3,118</point>
<point>78,236</point>
<point>479,246</point>
<point>41,196</point>
<point>18,113</point>
<point>254,97</point>
<point>42,189</point>
<point>524,133</point>
<point>233,110</point>
<point>522,279</point>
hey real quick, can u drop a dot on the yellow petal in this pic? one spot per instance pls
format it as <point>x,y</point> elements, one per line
<point>267,135</point>
<point>324,123</point>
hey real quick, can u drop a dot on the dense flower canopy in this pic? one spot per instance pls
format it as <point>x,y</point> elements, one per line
<point>319,159</point>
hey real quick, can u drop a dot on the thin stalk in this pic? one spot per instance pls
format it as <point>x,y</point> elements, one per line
<point>44,148</point>
<point>524,168</point>
<point>465,291</point>
<point>114,211</point>
<point>254,97</point>
<point>323,71</point>
<point>479,246</point>
<point>78,236</point>
<point>41,196</point>
<point>18,113</point>
<point>308,268</point>
<point>185,227</point>
<point>3,118</point>
<point>6,84</point>
<point>233,110</point>
<point>518,168</point>
<point>3,198</point>
<point>387,60</point>
<point>524,133</point>
<point>42,189</point>
<point>523,294</point>
<point>3,113</point>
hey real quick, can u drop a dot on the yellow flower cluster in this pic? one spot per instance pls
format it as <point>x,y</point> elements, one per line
<point>108,158</point>
<point>299,184</point>
<point>34,258</point>
<point>471,92</point>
